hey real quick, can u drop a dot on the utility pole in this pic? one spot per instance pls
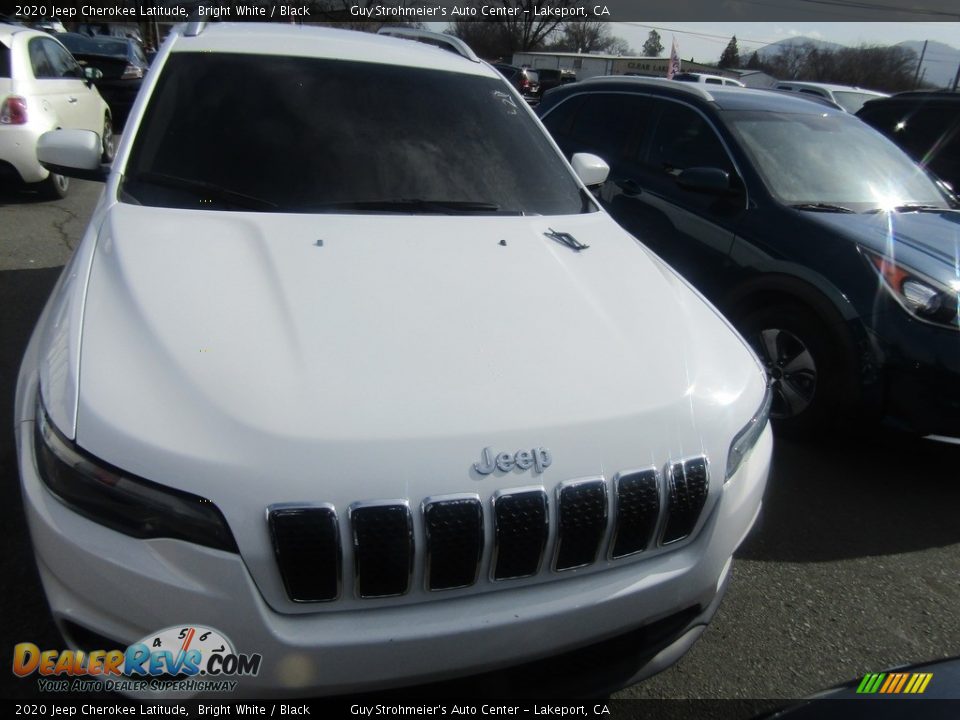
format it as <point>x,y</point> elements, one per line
<point>916,77</point>
<point>956,79</point>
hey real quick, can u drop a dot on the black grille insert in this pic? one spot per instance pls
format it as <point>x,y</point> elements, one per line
<point>687,489</point>
<point>383,548</point>
<point>521,533</point>
<point>454,531</point>
<point>306,542</point>
<point>638,507</point>
<point>582,522</point>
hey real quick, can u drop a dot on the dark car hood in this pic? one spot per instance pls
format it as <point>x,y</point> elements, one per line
<point>928,242</point>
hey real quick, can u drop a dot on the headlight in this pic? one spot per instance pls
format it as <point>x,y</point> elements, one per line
<point>922,297</point>
<point>130,505</point>
<point>744,440</point>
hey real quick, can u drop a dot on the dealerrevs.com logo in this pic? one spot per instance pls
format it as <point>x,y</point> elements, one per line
<point>183,658</point>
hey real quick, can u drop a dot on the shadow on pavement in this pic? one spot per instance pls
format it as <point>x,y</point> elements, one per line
<point>12,195</point>
<point>24,612</point>
<point>857,496</point>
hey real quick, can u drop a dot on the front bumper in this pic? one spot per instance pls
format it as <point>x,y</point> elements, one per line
<point>921,371</point>
<point>122,588</point>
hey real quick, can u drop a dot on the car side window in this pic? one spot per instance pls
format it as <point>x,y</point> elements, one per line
<point>560,119</point>
<point>39,61</point>
<point>610,125</point>
<point>4,61</point>
<point>684,139</point>
<point>64,66</point>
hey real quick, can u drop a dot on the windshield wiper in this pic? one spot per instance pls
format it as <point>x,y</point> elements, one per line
<point>909,207</point>
<point>412,205</point>
<point>204,190</point>
<point>565,238</point>
<point>823,207</point>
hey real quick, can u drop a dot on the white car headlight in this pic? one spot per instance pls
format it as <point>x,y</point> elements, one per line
<point>744,440</point>
<point>130,505</point>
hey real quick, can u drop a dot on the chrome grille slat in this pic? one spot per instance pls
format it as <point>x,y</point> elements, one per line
<point>306,543</point>
<point>382,548</point>
<point>521,526</point>
<point>453,526</point>
<point>582,522</point>
<point>687,494</point>
<point>638,509</point>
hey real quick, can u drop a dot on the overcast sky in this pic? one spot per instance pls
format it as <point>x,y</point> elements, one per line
<point>705,41</point>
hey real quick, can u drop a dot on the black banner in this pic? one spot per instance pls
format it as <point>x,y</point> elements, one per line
<point>423,11</point>
<point>380,709</point>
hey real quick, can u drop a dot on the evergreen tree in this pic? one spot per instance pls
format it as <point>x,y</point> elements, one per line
<point>652,47</point>
<point>731,55</point>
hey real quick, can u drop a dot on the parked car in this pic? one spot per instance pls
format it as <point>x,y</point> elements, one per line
<point>525,80</point>
<point>926,125</point>
<point>122,63</point>
<point>831,251</point>
<point>43,88</point>
<point>707,79</point>
<point>549,78</point>
<point>849,98</point>
<point>367,381</point>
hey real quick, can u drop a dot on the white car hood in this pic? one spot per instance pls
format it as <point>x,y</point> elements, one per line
<point>265,358</point>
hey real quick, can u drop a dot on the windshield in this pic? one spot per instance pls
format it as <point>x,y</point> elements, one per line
<point>290,134</point>
<point>78,44</point>
<point>831,159</point>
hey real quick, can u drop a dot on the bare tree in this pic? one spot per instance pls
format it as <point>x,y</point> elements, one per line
<point>587,37</point>
<point>889,69</point>
<point>529,27</point>
<point>619,46</point>
<point>584,36</point>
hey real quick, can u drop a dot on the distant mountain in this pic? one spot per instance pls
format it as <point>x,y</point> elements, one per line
<point>768,52</point>
<point>939,64</point>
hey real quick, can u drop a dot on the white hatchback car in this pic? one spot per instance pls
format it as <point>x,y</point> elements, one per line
<point>361,376</point>
<point>43,88</point>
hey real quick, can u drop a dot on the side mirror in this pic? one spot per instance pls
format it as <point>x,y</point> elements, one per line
<point>74,153</point>
<point>92,74</point>
<point>706,180</point>
<point>591,169</point>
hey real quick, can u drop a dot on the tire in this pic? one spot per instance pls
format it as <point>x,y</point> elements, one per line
<point>55,187</point>
<point>107,142</point>
<point>804,364</point>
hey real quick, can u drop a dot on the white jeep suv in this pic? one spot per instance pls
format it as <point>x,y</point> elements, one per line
<point>353,369</point>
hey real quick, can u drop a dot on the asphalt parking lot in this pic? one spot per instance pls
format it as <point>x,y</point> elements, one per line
<point>854,566</point>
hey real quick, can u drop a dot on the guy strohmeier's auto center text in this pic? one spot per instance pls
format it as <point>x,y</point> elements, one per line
<point>477,11</point>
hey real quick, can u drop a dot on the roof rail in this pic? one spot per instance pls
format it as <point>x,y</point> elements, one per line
<point>441,40</point>
<point>194,28</point>
<point>195,25</point>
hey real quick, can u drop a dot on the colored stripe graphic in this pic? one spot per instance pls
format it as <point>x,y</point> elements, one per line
<point>894,683</point>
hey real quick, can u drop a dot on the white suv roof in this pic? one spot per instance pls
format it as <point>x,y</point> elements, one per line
<point>323,42</point>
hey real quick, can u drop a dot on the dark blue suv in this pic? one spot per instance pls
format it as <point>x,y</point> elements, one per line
<point>834,254</point>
